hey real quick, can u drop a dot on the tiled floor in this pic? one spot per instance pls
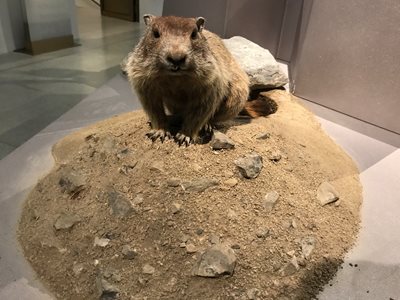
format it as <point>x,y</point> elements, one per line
<point>35,91</point>
<point>376,254</point>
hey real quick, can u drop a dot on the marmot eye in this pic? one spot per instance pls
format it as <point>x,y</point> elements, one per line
<point>194,34</point>
<point>156,34</point>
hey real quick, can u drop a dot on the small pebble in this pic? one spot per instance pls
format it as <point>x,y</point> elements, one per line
<point>101,242</point>
<point>148,269</point>
<point>231,182</point>
<point>263,136</point>
<point>128,252</point>
<point>275,156</point>
<point>173,182</point>
<point>235,246</point>
<point>190,248</point>
<point>199,231</point>
<point>214,239</point>
<point>327,193</point>
<point>184,238</point>
<point>262,233</point>
<point>176,207</point>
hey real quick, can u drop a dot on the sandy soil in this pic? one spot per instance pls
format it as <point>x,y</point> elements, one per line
<point>120,217</point>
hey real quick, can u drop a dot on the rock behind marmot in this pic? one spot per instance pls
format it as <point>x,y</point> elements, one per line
<point>180,69</point>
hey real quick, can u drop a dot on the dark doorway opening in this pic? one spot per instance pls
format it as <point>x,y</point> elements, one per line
<point>121,9</point>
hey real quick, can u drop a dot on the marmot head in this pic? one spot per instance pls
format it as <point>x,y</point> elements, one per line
<point>174,42</point>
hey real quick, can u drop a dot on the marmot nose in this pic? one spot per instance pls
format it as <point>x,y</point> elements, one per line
<point>177,60</point>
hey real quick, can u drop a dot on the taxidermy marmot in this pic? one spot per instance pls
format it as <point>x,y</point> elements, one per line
<point>178,68</point>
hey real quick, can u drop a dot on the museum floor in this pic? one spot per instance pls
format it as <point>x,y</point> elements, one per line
<point>35,91</point>
<point>45,98</point>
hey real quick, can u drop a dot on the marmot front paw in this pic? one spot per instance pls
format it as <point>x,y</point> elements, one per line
<point>207,129</point>
<point>182,139</point>
<point>161,134</point>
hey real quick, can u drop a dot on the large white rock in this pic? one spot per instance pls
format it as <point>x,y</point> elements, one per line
<point>257,62</point>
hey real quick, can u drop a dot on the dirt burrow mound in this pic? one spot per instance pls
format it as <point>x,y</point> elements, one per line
<point>119,217</point>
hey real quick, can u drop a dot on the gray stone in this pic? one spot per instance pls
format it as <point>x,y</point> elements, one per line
<point>184,238</point>
<point>262,233</point>
<point>105,289</point>
<point>173,182</point>
<point>111,274</point>
<point>270,200</point>
<point>93,137</point>
<point>120,206</point>
<point>220,141</point>
<point>263,136</point>
<point>199,231</point>
<point>290,268</point>
<point>216,261</point>
<point>199,185</point>
<point>138,200</point>
<point>250,165</point>
<point>128,252</point>
<point>123,153</point>
<point>326,193</point>
<point>288,168</point>
<point>126,169</point>
<point>142,281</point>
<point>289,224</point>
<point>275,156</point>
<point>191,248</point>
<point>257,62</point>
<point>157,166</point>
<point>66,221</point>
<point>176,207</point>
<point>307,246</point>
<point>302,262</point>
<point>148,269</point>
<point>235,246</point>
<point>71,182</point>
<point>101,242</point>
<point>214,239</point>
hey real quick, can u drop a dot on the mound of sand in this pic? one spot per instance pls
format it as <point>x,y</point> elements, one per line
<point>122,218</point>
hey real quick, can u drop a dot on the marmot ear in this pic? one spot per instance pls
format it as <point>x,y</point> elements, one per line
<point>148,19</point>
<point>200,23</point>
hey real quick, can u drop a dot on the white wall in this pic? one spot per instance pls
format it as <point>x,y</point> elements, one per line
<point>48,18</point>
<point>3,46</point>
<point>60,14</point>
<point>12,33</point>
<point>154,7</point>
<point>73,18</point>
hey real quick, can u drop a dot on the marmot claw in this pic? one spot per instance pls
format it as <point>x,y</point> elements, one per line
<point>158,134</point>
<point>182,139</point>
<point>207,129</point>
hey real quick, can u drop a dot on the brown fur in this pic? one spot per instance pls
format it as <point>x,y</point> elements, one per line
<point>208,87</point>
<point>261,106</point>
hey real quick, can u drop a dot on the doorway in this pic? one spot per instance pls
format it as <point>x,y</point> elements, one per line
<point>121,9</point>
